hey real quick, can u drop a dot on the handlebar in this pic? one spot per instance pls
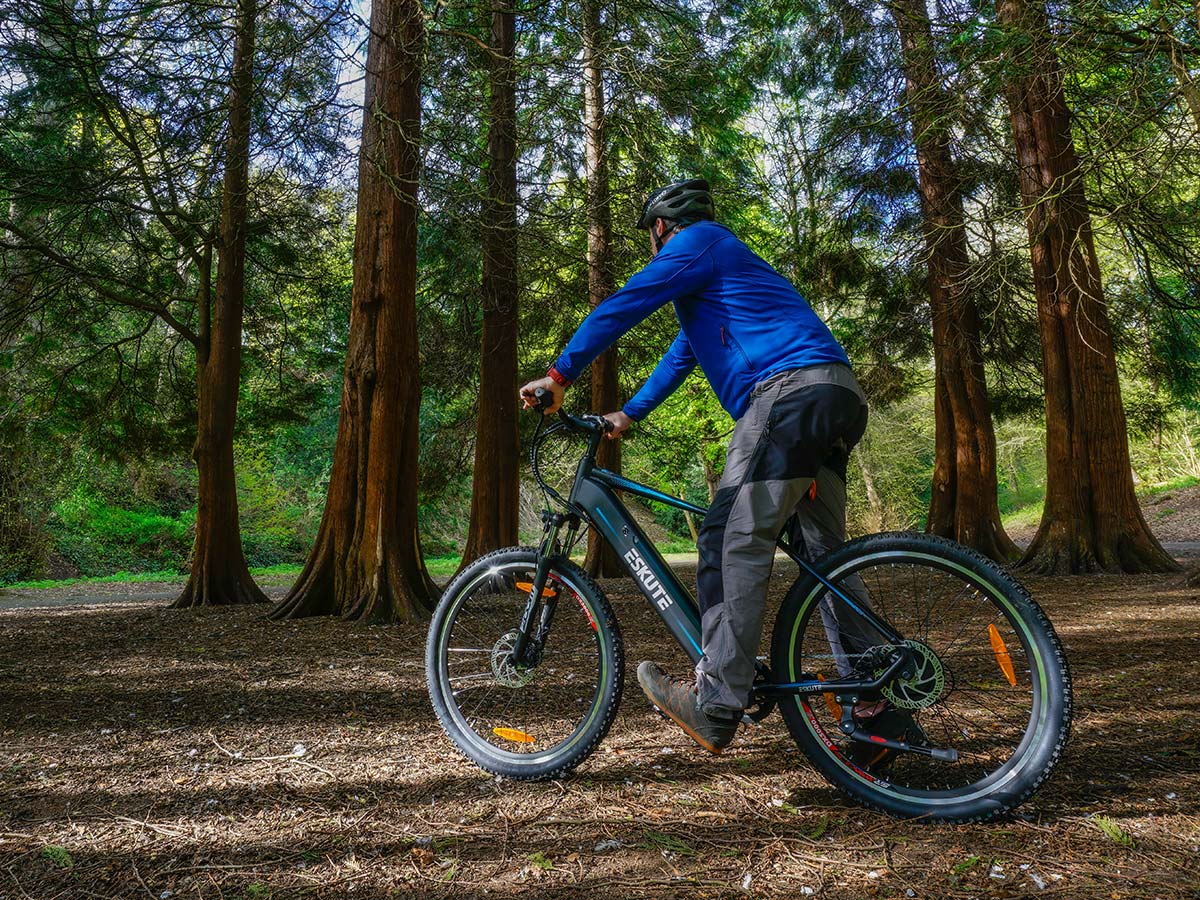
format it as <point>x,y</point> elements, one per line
<point>586,424</point>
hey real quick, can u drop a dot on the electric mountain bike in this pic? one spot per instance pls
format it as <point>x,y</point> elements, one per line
<point>525,661</point>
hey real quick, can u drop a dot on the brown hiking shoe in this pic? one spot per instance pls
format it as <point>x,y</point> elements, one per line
<point>676,698</point>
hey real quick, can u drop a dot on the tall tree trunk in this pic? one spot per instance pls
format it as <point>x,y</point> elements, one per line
<point>874,501</point>
<point>600,560</point>
<point>366,564</point>
<point>495,493</point>
<point>219,572</point>
<point>1091,521</point>
<point>712,477</point>
<point>963,505</point>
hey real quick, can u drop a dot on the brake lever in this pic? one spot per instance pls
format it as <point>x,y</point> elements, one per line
<point>601,423</point>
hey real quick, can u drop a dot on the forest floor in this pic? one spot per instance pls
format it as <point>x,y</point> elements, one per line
<point>211,753</point>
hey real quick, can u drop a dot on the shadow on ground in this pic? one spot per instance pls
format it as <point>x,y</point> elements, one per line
<point>212,753</point>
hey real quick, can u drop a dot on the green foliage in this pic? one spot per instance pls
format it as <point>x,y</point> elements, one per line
<point>889,475</point>
<point>657,840</point>
<point>59,856</point>
<point>1112,830</point>
<point>278,516</point>
<point>97,537</point>
<point>795,111</point>
<point>959,867</point>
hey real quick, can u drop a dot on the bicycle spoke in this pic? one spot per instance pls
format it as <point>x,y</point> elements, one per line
<point>544,703</point>
<point>946,615</point>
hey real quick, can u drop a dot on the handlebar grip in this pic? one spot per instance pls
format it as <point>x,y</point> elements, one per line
<point>542,399</point>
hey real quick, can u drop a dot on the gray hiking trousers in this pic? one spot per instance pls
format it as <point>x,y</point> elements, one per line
<point>798,431</point>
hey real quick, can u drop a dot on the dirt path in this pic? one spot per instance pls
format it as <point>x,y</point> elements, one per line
<point>149,753</point>
<point>116,592</point>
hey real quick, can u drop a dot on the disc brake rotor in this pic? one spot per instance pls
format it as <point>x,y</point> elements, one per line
<point>506,673</point>
<point>925,687</point>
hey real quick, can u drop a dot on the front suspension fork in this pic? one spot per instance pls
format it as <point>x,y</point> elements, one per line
<point>527,649</point>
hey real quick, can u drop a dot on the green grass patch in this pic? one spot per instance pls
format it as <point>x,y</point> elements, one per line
<point>59,856</point>
<point>292,569</point>
<point>1178,484</point>
<point>443,566</point>
<point>970,862</point>
<point>1024,516</point>
<point>1112,830</point>
<point>168,575</point>
<point>657,840</point>
<point>127,577</point>
<point>677,546</point>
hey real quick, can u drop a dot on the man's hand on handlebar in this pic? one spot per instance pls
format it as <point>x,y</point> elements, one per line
<point>546,383</point>
<point>618,423</point>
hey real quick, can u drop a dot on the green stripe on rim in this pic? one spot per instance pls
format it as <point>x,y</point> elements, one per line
<point>582,728</point>
<point>1028,645</point>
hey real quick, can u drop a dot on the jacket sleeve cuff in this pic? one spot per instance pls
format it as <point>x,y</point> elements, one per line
<point>634,411</point>
<point>558,377</point>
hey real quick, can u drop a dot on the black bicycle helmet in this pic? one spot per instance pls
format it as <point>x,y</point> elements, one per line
<point>682,200</point>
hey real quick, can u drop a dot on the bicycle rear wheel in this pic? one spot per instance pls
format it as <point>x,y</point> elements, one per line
<point>524,722</point>
<point>990,679</point>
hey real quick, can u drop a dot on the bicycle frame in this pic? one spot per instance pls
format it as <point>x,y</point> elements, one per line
<point>594,495</point>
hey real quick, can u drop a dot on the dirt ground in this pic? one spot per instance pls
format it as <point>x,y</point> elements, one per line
<point>210,753</point>
<point>1175,515</point>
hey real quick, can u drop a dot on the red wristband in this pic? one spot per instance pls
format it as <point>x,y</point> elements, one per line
<point>558,377</point>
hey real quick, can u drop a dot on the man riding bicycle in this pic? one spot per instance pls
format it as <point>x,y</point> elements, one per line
<point>779,372</point>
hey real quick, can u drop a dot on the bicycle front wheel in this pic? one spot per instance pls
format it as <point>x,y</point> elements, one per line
<point>989,679</point>
<point>524,722</point>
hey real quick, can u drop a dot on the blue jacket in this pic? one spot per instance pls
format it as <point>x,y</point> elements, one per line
<point>739,319</point>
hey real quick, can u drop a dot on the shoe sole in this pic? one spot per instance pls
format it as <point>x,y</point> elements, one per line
<point>715,751</point>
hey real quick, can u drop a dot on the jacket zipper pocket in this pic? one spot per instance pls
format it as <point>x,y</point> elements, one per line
<point>736,346</point>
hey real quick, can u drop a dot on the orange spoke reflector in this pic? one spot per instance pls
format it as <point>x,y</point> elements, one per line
<point>834,708</point>
<point>1002,658</point>
<point>527,586</point>
<point>511,734</point>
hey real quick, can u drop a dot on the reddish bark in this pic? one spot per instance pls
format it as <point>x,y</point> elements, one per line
<point>963,505</point>
<point>495,492</point>
<point>1092,520</point>
<point>601,560</point>
<point>219,572</point>
<point>366,564</point>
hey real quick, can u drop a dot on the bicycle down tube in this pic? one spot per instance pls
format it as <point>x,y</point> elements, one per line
<point>641,559</point>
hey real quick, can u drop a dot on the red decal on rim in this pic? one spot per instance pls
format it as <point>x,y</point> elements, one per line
<point>828,742</point>
<point>587,612</point>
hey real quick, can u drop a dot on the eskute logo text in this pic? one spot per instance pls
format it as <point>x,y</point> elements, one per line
<point>654,589</point>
